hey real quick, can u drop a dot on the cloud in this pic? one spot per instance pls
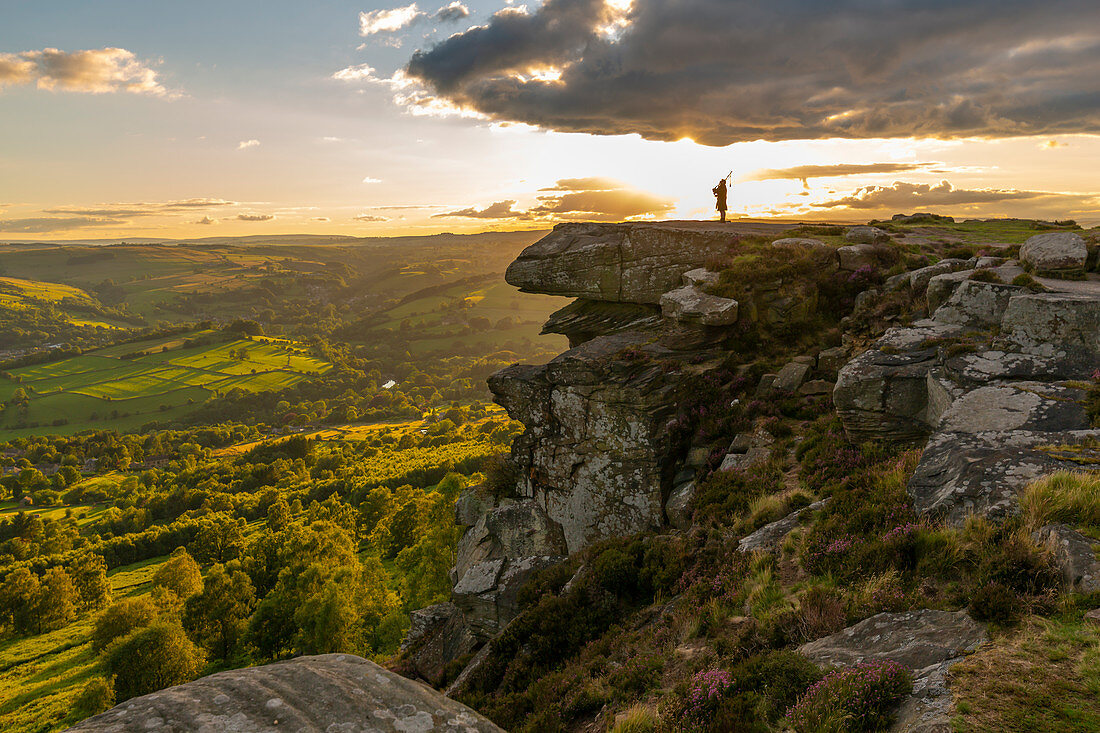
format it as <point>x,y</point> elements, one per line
<point>368,179</point>
<point>246,144</point>
<point>206,220</point>
<point>362,72</point>
<point>124,211</point>
<point>320,218</point>
<point>581,199</point>
<point>46,224</point>
<point>94,71</point>
<point>452,13</point>
<point>805,172</point>
<point>499,210</point>
<point>387,21</point>
<point>369,218</point>
<point>255,217</point>
<point>725,71</point>
<point>902,196</point>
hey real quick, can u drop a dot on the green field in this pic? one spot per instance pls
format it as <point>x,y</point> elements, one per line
<point>112,388</point>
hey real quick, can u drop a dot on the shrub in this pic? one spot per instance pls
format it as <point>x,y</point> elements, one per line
<point>96,697</point>
<point>501,477</point>
<point>859,698</point>
<point>120,619</point>
<point>986,276</point>
<point>995,602</point>
<point>150,659</point>
<point>1025,280</point>
<point>959,252</point>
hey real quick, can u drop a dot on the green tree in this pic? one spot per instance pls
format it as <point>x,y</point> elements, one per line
<point>151,658</point>
<point>57,600</point>
<point>19,599</point>
<point>278,515</point>
<point>89,574</point>
<point>217,617</point>
<point>176,580</point>
<point>121,618</point>
<point>219,539</point>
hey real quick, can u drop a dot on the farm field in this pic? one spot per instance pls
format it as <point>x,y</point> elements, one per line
<point>113,388</point>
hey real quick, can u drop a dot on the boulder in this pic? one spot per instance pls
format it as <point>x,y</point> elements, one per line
<point>757,452</point>
<point>678,507</point>
<point>331,692</point>
<point>769,538</point>
<point>915,639</point>
<point>866,235</point>
<point>472,505</point>
<point>791,377</point>
<point>918,279</point>
<point>523,529</point>
<point>816,387</point>
<point>940,287</point>
<point>689,304</point>
<point>1055,251</point>
<point>982,367</point>
<point>632,263</point>
<point>1075,554</point>
<point>583,320</point>
<point>976,304</point>
<point>830,361</point>
<point>701,277</point>
<point>881,395</point>
<point>854,257</point>
<point>1053,324</point>
<point>797,243</point>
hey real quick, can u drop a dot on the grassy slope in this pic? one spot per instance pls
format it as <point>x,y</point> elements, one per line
<point>159,385</point>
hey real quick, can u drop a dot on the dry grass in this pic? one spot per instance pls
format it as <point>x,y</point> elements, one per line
<point>1070,497</point>
<point>1045,677</point>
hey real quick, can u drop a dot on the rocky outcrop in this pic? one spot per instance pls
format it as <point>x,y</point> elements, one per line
<point>769,538</point>
<point>437,635</point>
<point>625,263</point>
<point>866,235</point>
<point>990,377</point>
<point>583,320</point>
<point>333,692</point>
<point>928,642</point>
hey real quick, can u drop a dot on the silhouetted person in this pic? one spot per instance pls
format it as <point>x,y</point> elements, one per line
<point>719,192</point>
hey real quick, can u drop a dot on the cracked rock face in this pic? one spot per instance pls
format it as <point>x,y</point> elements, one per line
<point>628,263</point>
<point>595,453</point>
<point>331,692</point>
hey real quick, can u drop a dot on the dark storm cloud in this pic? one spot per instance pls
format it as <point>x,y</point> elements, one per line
<point>723,71</point>
<point>903,196</point>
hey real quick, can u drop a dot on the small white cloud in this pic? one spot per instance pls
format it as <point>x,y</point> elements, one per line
<point>362,72</point>
<point>369,218</point>
<point>206,220</point>
<point>246,144</point>
<point>255,217</point>
<point>368,179</point>
<point>388,21</point>
<point>452,13</point>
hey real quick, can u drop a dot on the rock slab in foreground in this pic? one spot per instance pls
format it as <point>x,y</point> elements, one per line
<point>332,692</point>
<point>928,642</point>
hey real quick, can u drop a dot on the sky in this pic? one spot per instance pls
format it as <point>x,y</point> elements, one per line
<point>146,119</point>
